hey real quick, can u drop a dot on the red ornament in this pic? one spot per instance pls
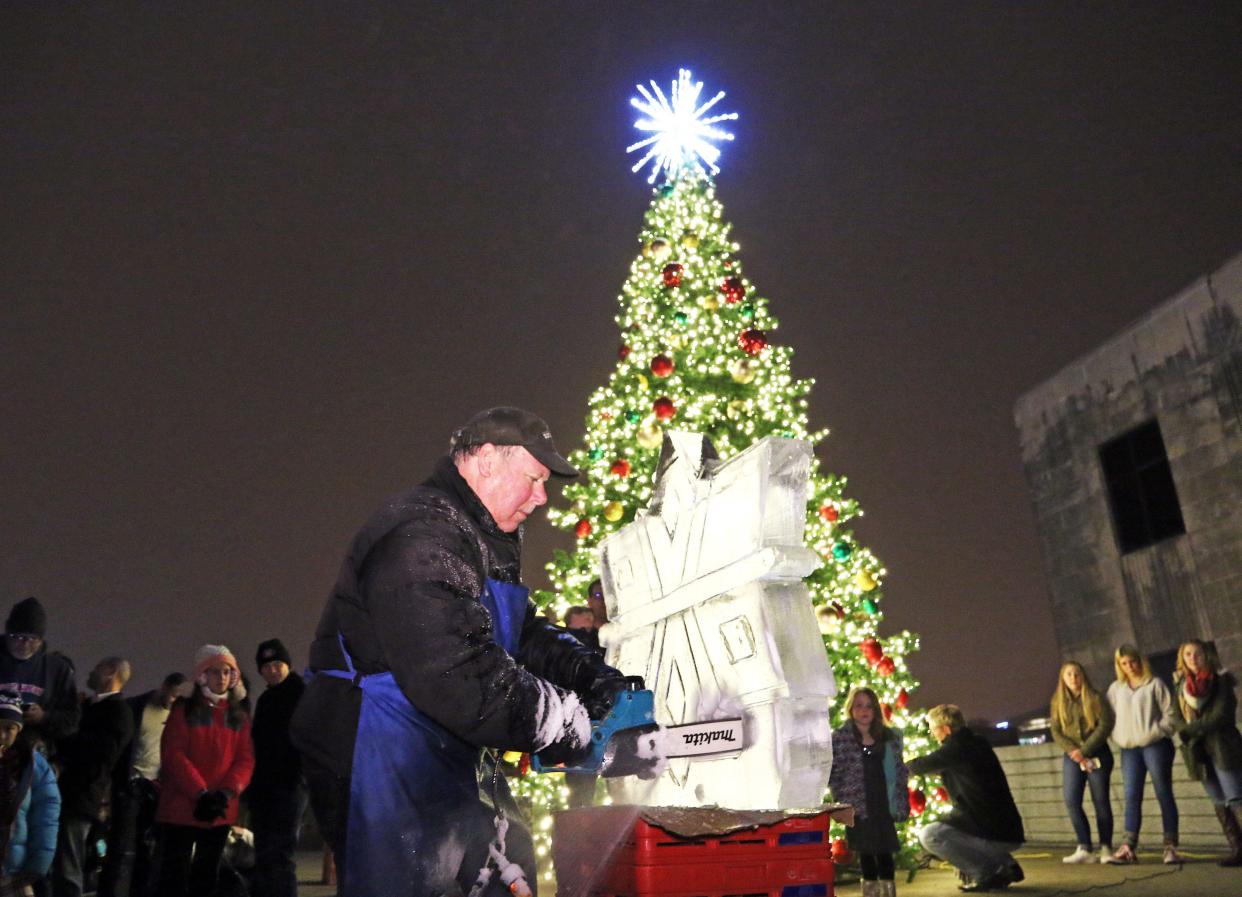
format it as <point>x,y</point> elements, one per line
<point>664,408</point>
<point>887,710</point>
<point>841,852</point>
<point>942,794</point>
<point>752,341</point>
<point>582,528</point>
<point>672,274</point>
<point>918,801</point>
<point>829,513</point>
<point>903,698</point>
<point>661,365</point>
<point>871,650</point>
<point>624,352</point>
<point>885,666</point>
<point>620,468</point>
<point>733,290</point>
<point>523,765</point>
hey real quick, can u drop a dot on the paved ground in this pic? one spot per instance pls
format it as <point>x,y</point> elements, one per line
<point>1046,876</point>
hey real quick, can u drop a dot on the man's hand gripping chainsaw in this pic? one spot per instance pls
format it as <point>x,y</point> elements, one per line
<point>629,741</point>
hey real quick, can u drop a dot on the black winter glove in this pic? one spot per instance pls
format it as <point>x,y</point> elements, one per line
<point>211,806</point>
<point>602,693</point>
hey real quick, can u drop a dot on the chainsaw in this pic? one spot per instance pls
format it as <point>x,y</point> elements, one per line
<point>629,741</point>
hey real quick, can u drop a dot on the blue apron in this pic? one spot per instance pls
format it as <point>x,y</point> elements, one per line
<point>414,807</point>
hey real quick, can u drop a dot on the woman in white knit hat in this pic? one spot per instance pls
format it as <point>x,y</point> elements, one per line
<point>205,763</point>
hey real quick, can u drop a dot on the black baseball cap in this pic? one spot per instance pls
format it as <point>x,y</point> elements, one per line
<point>506,425</point>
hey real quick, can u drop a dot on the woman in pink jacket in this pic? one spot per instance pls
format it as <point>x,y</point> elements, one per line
<point>205,762</point>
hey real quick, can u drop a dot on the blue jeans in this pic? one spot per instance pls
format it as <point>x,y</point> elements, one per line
<point>1073,782</point>
<point>975,856</point>
<point>1136,763</point>
<point>1224,786</point>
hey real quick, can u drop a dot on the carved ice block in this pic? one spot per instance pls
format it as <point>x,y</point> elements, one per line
<point>706,602</point>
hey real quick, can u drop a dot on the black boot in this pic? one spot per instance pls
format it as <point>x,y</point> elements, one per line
<point>1229,823</point>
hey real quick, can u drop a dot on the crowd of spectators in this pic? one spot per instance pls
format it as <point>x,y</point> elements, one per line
<point>138,796</point>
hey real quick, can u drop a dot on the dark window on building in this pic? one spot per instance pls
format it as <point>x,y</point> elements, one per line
<point>1141,493</point>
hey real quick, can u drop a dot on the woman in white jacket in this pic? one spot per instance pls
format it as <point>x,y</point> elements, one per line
<point>1146,717</point>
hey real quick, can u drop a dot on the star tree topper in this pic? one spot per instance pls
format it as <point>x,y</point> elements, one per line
<point>682,130</point>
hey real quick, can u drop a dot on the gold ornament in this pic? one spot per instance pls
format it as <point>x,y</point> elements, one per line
<point>614,511</point>
<point>743,370</point>
<point>737,408</point>
<point>711,302</point>
<point>690,241</point>
<point>865,580</point>
<point>650,435</point>
<point>643,382</point>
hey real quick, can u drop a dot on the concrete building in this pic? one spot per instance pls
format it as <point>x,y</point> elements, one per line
<point>1133,454</point>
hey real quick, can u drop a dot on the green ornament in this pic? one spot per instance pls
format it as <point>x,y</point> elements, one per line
<point>633,416</point>
<point>666,189</point>
<point>747,312</point>
<point>596,454</point>
<point>870,606</point>
<point>681,318</point>
<point>841,551</point>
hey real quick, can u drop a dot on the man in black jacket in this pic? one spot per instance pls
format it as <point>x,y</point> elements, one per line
<point>43,680</point>
<point>127,867</point>
<point>91,760</point>
<point>276,795</point>
<point>429,651</point>
<point>984,827</point>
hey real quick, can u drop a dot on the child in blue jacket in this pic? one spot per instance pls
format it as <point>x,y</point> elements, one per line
<point>29,806</point>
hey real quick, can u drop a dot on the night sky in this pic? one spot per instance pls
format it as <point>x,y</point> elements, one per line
<point>260,259</point>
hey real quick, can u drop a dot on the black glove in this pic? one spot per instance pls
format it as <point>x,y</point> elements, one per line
<point>211,806</point>
<point>564,752</point>
<point>601,694</point>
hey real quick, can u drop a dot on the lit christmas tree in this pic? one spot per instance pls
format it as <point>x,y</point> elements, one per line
<point>696,354</point>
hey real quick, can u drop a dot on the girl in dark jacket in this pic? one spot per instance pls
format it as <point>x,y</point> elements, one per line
<point>869,774</point>
<point>205,762</point>
<point>1211,743</point>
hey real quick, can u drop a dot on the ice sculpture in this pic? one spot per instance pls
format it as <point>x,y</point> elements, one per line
<point>706,602</point>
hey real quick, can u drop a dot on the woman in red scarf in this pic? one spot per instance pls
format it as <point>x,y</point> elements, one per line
<point>1211,743</point>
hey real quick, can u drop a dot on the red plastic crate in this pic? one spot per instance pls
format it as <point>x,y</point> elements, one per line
<point>725,877</point>
<point>613,852</point>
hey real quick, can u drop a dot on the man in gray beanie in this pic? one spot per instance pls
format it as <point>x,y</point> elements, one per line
<point>44,680</point>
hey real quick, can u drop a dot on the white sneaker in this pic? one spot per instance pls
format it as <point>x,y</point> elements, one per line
<point>1171,856</point>
<point>1079,856</point>
<point>1106,854</point>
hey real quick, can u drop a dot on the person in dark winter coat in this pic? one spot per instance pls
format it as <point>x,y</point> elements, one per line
<point>980,833</point>
<point>91,759</point>
<point>276,796</point>
<point>868,774</point>
<point>428,651</point>
<point>29,806</point>
<point>1211,743</point>
<point>44,681</point>
<point>127,866</point>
